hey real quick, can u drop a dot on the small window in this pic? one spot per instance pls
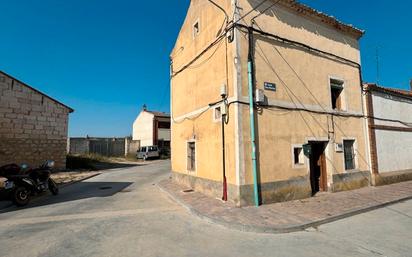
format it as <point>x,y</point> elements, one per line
<point>298,156</point>
<point>217,115</point>
<point>191,156</point>
<point>164,125</point>
<point>336,88</point>
<point>349,152</point>
<point>196,29</point>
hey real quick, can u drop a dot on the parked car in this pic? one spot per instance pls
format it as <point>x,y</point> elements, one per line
<point>148,152</point>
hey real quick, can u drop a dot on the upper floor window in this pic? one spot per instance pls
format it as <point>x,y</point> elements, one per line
<point>164,125</point>
<point>336,89</point>
<point>196,29</point>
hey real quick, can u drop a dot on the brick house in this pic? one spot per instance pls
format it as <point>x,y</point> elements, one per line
<point>33,126</point>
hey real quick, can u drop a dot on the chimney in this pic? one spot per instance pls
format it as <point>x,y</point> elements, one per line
<point>144,107</point>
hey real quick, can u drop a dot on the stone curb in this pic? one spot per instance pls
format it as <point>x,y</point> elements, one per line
<point>278,229</point>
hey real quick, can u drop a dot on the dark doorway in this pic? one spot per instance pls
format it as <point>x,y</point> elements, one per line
<point>318,175</point>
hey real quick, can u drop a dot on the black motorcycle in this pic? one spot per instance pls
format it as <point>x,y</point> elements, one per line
<point>23,183</point>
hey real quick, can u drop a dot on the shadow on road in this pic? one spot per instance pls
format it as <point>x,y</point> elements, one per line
<point>114,165</point>
<point>82,190</point>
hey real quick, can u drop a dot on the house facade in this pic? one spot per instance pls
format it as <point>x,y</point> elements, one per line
<point>299,69</point>
<point>390,133</point>
<point>33,126</point>
<point>152,128</point>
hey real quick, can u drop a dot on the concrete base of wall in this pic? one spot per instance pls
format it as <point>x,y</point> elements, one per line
<point>274,192</point>
<point>279,191</point>
<point>388,178</point>
<point>350,181</point>
<point>208,187</point>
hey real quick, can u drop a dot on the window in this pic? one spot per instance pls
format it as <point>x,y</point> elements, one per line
<point>191,156</point>
<point>196,29</point>
<point>217,114</point>
<point>336,89</point>
<point>164,125</point>
<point>143,149</point>
<point>298,156</point>
<point>152,148</point>
<point>349,152</point>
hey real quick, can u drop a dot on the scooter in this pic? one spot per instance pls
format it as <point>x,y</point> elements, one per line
<point>23,182</point>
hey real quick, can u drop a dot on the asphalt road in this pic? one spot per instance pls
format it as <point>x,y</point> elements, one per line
<point>122,213</point>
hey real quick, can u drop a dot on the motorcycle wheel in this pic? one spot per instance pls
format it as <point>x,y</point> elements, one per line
<point>21,196</point>
<point>53,187</point>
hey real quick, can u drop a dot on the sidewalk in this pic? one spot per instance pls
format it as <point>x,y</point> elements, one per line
<point>288,216</point>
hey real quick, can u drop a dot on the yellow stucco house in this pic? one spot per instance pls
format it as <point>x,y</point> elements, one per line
<point>299,70</point>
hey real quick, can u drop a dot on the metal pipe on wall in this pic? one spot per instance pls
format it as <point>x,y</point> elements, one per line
<point>250,68</point>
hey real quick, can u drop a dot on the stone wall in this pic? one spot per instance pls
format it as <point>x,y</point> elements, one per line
<point>33,127</point>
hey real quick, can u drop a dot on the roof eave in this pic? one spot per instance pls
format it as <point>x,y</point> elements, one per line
<point>71,110</point>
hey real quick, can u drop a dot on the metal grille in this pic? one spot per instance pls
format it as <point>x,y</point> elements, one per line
<point>191,156</point>
<point>349,154</point>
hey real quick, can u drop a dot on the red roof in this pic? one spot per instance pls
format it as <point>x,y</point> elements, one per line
<point>159,114</point>
<point>375,87</point>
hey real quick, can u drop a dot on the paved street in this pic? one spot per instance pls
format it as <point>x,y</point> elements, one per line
<point>123,213</point>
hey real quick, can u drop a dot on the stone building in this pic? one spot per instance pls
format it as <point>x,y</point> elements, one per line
<point>390,133</point>
<point>299,70</point>
<point>33,126</point>
<point>152,128</point>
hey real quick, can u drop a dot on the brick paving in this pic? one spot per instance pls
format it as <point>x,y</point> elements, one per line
<point>289,216</point>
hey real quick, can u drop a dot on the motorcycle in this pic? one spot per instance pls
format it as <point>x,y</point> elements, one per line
<point>23,182</point>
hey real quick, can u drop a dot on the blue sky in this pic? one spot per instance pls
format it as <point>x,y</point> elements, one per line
<point>107,58</point>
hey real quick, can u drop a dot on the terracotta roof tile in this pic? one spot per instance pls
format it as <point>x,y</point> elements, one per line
<point>322,17</point>
<point>375,87</point>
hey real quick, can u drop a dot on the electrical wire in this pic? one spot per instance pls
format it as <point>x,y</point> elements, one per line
<point>264,11</point>
<point>184,67</point>
<point>250,11</point>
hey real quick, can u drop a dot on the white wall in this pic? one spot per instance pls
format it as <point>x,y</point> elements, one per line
<point>394,148</point>
<point>143,128</point>
<point>391,107</point>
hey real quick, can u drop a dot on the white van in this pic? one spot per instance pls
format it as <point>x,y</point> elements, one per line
<point>148,152</point>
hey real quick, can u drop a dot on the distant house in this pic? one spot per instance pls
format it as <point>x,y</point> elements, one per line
<point>390,133</point>
<point>152,128</point>
<point>33,126</point>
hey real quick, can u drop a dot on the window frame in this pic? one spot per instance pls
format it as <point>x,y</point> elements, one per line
<point>294,164</point>
<point>219,119</point>
<point>342,95</point>
<point>195,33</point>
<point>354,157</point>
<point>187,156</point>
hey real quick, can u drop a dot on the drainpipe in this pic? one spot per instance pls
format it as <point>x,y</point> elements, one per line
<point>250,68</point>
<point>224,196</point>
<point>224,97</point>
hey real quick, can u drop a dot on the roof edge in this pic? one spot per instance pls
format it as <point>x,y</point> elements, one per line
<point>71,110</point>
<point>387,90</point>
<point>304,9</point>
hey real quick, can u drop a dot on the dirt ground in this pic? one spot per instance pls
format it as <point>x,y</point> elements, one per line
<point>63,178</point>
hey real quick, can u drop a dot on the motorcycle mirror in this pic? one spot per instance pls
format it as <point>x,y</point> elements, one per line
<point>50,164</point>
